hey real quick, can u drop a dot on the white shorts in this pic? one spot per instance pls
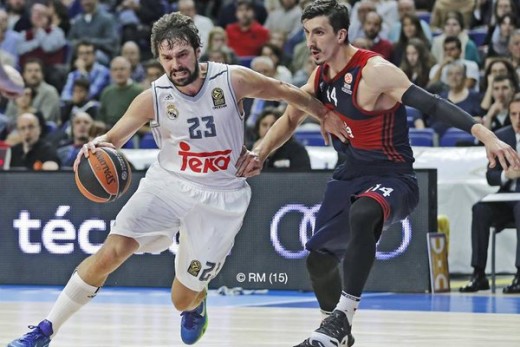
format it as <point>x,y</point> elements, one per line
<point>208,221</point>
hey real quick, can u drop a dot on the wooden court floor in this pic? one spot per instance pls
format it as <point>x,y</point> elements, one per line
<point>237,322</point>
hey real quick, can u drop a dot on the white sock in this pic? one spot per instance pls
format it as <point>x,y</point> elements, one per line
<point>348,304</point>
<point>75,295</point>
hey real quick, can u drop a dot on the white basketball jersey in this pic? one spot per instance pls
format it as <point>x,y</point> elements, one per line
<point>200,137</point>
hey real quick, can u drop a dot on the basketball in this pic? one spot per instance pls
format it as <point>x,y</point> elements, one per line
<point>103,176</point>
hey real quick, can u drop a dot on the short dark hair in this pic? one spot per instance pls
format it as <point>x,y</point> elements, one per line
<point>174,27</point>
<point>336,13</point>
<point>511,80</point>
<point>33,61</point>
<point>84,42</point>
<point>515,98</point>
<point>82,82</point>
<point>451,39</point>
<point>248,3</point>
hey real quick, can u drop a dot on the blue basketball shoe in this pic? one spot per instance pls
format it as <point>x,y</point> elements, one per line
<point>334,331</point>
<point>194,324</point>
<point>38,337</point>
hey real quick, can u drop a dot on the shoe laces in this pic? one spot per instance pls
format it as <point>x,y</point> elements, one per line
<point>191,318</point>
<point>335,326</point>
<point>33,335</point>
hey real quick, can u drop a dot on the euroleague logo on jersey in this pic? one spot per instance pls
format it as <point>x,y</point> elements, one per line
<point>203,162</point>
<point>347,85</point>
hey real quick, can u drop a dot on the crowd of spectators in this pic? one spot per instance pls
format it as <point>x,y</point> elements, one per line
<point>90,58</point>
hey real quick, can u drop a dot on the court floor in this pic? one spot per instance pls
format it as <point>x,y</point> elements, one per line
<point>145,317</point>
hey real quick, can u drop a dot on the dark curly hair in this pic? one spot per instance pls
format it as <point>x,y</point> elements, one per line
<point>174,27</point>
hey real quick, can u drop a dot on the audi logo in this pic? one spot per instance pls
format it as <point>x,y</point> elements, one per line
<point>306,230</point>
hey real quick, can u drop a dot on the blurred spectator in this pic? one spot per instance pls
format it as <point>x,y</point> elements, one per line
<point>227,14</point>
<point>486,215</point>
<point>246,35</point>
<point>8,40</point>
<point>301,76</point>
<point>453,26</point>
<point>21,104</point>
<point>135,19</point>
<point>372,29</point>
<point>130,51</point>
<point>86,66</point>
<point>503,90</point>
<point>254,107</point>
<point>59,15</point>
<point>276,54</point>
<point>459,94</point>
<point>153,70</point>
<point>218,56</point>
<point>116,98</point>
<point>453,53</point>
<point>411,28</point>
<point>357,19</point>
<point>498,45</point>
<point>482,13</point>
<point>291,156</point>
<point>387,9</point>
<point>514,51</point>
<point>203,24</point>
<point>19,19</point>
<point>33,152</point>
<point>407,7</point>
<point>46,98</point>
<point>217,40</point>
<point>285,19</point>
<point>45,42</point>
<point>442,8</point>
<point>417,62</point>
<point>80,135</point>
<point>80,101</point>
<point>500,8</point>
<point>496,67</point>
<point>99,27</point>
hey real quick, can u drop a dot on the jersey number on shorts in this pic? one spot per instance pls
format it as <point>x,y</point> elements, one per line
<point>210,271</point>
<point>386,191</point>
<point>199,130</point>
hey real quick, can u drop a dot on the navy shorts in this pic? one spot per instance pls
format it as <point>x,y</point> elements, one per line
<point>398,196</point>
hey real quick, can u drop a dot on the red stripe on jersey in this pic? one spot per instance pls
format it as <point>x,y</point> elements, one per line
<point>388,132</point>
<point>384,204</point>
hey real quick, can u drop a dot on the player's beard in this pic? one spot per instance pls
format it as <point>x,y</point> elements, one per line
<point>192,76</point>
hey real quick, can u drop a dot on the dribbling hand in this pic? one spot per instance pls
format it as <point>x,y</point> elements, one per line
<point>91,146</point>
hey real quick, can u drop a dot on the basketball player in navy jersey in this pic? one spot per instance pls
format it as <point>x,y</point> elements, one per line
<point>195,112</point>
<point>376,185</point>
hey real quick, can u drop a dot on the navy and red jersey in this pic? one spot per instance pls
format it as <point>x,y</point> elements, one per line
<point>379,143</point>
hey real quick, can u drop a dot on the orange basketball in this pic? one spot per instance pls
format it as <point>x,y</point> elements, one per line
<point>103,176</point>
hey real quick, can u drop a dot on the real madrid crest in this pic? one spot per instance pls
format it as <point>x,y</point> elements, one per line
<point>171,111</point>
<point>219,101</point>
<point>194,268</point>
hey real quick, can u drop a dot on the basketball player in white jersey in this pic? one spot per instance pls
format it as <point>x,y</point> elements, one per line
<point>195,114</point>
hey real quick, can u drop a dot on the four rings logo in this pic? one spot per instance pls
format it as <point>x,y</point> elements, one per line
<point>306,230</point>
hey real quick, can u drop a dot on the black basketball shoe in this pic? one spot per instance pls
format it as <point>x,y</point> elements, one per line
<point>334,331</point>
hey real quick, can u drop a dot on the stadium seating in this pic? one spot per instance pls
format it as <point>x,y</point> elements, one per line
<point>148,141</point>
<point>478,36</point>
<point>411,115</point>
<point>422,137</point>
<point>453,137</point>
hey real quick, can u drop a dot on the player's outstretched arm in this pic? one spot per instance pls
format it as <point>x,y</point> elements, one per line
<point>392,81</point>
<point>250,84</point>
<point>138,114</point>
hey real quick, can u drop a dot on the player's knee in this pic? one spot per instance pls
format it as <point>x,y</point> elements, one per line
<point>321,264</point>
<point>366,211</point>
